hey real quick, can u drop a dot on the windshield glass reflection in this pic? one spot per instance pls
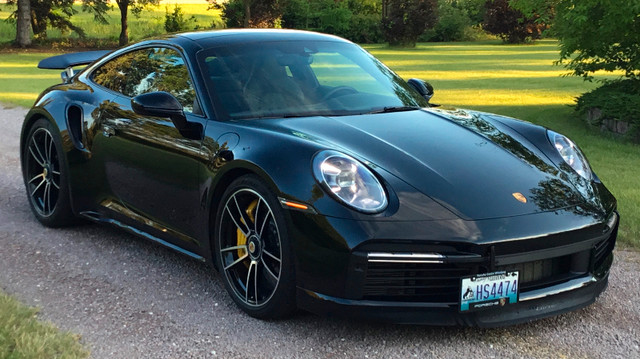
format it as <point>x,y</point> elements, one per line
<point>295,78</point>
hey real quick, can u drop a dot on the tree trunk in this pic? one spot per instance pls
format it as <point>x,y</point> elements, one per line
<point>124,33</point>
<point>23,33</point>
<point>247,12</point>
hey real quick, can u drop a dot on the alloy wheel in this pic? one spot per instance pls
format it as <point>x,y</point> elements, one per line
<point>43,172</point>
<point>250,247</point>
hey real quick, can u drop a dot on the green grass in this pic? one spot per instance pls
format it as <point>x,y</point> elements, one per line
<point>22,336</point>
<point>150,22</point>
<point>514,80</point>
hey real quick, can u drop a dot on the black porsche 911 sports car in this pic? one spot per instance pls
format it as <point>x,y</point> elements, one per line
<point>311,176</point>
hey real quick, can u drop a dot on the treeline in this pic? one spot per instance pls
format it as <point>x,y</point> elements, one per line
<point>398,22</point>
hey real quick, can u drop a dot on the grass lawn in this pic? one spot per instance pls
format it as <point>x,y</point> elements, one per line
<point>150,22</point>
<point>514,80</point>
<point>22,336</point>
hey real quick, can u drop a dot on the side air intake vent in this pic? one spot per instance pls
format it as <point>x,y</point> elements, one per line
<point>74,124</point>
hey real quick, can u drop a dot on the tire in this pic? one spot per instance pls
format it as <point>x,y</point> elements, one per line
<point>45,176</point>
<point>255,260</point>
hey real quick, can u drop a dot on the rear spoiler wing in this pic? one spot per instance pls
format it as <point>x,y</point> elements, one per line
<point>66,62</point>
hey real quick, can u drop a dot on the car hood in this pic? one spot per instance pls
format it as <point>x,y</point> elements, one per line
<point>467,161</point>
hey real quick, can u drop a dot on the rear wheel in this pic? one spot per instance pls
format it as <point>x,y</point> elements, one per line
<point>44,175</point>
<point>253,250</point>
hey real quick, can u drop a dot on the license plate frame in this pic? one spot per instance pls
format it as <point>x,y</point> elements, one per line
<point>488,290</point>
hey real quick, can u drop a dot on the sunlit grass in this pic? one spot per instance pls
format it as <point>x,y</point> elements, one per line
<point>150,22</point>
<point>519,81</point>
<point>22,336</point>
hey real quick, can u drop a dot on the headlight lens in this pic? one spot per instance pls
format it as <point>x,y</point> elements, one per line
<point>571,154</point>
<point>349,181</point>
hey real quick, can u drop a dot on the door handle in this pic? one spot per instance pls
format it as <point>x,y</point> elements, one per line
<point>108,131</point>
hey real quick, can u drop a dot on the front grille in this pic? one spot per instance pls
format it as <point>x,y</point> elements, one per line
<point>414,281</point>
<point>533,275</point>
<point>440,282</point>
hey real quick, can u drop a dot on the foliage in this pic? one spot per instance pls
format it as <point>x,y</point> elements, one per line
<point>543,11</point>
<point>356,20</point>
<point>175,21</point>
<point>23,336</point>
<point>619,100</point>
<point>248,13</point>
<point>50,14</point>
<point>99,35</point>
<point>404,20</point>
<point>100,7</point>
<point>474,8</point>
<point>454,23</point>
<point>599,35</point>
<point>510,24</point>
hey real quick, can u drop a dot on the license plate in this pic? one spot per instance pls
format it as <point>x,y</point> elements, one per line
<point>488,290</point>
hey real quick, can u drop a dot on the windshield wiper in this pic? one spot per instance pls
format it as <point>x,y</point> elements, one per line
<point>394,109</point>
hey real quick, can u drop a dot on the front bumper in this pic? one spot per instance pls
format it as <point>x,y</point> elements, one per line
<point>561,298</point>
<point>559,273</point>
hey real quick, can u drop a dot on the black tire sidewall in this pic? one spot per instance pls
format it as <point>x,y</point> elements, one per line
<point>282,303</point>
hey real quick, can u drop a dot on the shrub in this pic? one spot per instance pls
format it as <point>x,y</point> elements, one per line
<point>263,13</point>
<point>453,24</point>
<point>618,100</point>
<point>175,21</point>
<point>510,24</point>
<point>404,20</point>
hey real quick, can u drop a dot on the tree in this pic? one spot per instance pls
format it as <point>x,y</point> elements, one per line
<point>100,7</point>
<point>510,24</point>
<point>248,13</point>
<point>599,35</point>
<point>49,13</point>
<point>404,20</point>
<point>23,33</point>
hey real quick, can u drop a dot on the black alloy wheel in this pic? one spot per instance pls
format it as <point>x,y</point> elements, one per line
<point>253,251</point>
<point>44,179</point>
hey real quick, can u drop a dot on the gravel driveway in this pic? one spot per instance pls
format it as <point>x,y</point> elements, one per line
<point>130,298</point>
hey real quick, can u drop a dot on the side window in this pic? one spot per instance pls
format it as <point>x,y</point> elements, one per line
<point>148,70</point>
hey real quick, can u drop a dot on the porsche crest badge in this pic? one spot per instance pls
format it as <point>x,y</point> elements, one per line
<point>520,197</point>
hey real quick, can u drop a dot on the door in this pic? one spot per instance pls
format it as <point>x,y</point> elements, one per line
<point>150,168</point>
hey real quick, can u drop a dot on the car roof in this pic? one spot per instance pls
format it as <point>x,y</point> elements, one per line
<point>213,38</point>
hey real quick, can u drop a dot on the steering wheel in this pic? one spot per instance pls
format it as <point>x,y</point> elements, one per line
<point>335,90</point>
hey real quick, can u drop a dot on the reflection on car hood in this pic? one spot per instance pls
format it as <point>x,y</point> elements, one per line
<point>476,167</point>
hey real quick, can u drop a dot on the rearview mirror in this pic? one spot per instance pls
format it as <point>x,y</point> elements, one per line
<point>164,104</point>
<point>424,88</point>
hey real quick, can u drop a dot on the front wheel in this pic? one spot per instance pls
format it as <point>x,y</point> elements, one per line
<point>45,179</point>
<point>253,250</point>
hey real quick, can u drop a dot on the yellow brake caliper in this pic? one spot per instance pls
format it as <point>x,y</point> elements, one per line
<point>242,239</point>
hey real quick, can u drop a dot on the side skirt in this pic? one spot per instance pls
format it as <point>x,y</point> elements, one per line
<point>99,218</point>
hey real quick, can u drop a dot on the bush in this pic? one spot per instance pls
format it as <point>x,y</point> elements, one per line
<point>356,20</point>
<point>510,24</point>
<point>175,21</point>
<point>453,24</point>
<point>365,28</point>
<point>404,20</point>
<point>618,100</point>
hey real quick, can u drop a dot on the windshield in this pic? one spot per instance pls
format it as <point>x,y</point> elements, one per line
<point>302,78</point>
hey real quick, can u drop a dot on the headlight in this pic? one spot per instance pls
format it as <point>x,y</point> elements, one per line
<point>571,154</point>
<point>349,181</point>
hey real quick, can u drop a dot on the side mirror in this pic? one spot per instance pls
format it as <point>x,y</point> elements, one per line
<point>157,104</point>
<point>424,88</point>
<point>164,104</point>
